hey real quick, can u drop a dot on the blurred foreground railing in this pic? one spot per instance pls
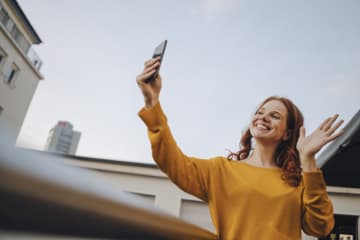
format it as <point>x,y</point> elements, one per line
<point>39,195</point>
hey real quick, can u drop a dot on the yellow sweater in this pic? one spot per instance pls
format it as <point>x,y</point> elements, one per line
<point>245,201</point>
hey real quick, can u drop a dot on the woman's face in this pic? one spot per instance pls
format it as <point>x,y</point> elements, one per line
<point>270,122</point>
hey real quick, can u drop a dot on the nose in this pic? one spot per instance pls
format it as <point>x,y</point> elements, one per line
<point>265,117</point>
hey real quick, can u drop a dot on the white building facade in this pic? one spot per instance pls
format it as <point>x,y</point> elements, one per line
<point>19,66</point>
<point>148,182</point>
<point>63,139</point>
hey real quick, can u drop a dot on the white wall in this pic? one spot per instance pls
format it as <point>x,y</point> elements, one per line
<point>16,98</point>
<point>168,197</point>
<point>157,190</point>
<point>346,203</point>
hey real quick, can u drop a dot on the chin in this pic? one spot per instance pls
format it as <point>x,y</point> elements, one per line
<point>261,138</point>
<point>256,134</point>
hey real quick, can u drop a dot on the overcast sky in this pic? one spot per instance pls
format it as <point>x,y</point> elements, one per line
<point>223,58</point>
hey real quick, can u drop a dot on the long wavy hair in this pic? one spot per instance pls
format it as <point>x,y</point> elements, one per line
<point>287,156</point>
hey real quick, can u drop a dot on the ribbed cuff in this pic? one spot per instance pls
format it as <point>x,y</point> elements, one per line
<point>153,117</point>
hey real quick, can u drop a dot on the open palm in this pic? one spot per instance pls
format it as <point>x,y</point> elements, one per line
<point>325,133</point>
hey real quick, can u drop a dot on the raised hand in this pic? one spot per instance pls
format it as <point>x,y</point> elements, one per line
<point>151,90</point>
<point>308,146</point>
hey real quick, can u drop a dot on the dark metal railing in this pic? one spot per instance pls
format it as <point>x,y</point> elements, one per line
<point>40,195</point>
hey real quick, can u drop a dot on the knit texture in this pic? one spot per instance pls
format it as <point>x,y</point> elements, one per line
<point>245,201</point>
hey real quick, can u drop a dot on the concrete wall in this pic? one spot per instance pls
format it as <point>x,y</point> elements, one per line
<point>150,182</point>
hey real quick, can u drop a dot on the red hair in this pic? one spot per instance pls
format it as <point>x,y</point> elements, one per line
<point>287,156</point>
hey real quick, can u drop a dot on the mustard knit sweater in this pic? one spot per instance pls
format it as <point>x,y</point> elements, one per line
<point>245,201</point>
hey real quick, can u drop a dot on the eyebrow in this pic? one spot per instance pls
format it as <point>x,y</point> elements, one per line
<point>262,108</point>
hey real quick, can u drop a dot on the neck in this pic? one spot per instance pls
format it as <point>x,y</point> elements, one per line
<point>263,155</point>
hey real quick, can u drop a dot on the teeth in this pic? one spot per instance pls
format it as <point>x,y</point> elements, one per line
<point>261,126</point>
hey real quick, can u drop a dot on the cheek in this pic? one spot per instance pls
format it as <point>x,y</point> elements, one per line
<point>253,120</point>
<point>251,127</point>
<point>282,129</point>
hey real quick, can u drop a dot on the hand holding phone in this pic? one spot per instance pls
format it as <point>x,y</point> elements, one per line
<point>158,52</point>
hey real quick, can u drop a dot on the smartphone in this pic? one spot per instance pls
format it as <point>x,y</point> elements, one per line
<point>159,51</point>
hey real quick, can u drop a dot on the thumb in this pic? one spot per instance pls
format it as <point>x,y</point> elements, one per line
<point>302,132</point>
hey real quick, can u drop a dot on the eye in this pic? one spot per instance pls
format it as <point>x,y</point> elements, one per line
<point>259,113</point>
<point>275,116</point>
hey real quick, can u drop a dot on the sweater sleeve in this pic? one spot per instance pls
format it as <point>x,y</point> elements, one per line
<point>318,215</point>
<point>188,173</point>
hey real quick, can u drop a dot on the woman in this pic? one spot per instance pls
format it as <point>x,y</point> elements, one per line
<point>266,195</point>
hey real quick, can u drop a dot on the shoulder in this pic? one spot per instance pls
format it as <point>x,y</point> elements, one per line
<point>220,162</point>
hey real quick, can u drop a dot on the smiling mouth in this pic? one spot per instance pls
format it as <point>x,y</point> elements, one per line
<point>262,127</point>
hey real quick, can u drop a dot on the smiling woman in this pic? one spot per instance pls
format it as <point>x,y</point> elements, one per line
<point>274,192</point>
<point>277,122</point>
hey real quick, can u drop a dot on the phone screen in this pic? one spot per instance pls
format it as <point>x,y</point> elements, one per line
<point>159,51</point>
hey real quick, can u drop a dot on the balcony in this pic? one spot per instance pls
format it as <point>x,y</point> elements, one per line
<point>19,39</point>
<point>34,59</point>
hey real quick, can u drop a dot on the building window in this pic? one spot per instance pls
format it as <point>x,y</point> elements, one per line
<point>14,30</point>
<point>15,33</point>
<point>12,75</point>
<point>3,56</point>
<point>10,25</point>
<point>2,62</point>
<point>19,38</point>
<point>23,43</point>
<point>4,17</point>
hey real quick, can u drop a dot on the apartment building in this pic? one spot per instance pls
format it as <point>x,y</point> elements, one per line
<point>19,66</point>
<point>63,139</point>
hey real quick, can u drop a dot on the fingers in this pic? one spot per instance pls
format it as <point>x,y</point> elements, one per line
<point>329,122</point>
<point>302,132</point>
<point>330,130</point>
<point>334,136</point>
<point>333,129</point>
<point>151,61</point>
<point>323,124</point>
<point>142,77</point>
<point>150,68</point>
